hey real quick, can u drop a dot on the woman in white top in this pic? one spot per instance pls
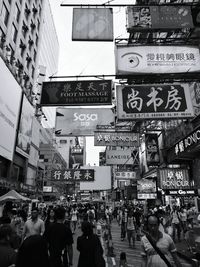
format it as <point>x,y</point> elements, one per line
<point>74,219</point>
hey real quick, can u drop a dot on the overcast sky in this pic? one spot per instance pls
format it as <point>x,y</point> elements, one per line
<point>86,58</point>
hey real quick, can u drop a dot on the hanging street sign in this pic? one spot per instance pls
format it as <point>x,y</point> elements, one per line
<point>155,101</point>
<point>79,175</point>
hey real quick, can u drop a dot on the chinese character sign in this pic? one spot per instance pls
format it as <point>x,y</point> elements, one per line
<point>154,101</point>
<point>159,17</point>
<point>156,59</point>
<point>86,175</point>
<point>170,178</point>
<point>77,93</point>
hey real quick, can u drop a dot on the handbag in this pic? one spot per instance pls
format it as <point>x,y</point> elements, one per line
<point>158,250</point>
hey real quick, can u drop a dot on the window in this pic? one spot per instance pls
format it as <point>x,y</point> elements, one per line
<point>28,61</point>
<point>14,33</point>
<point>34,55</point>
<point>17,13</point>
<point>38,24</point>
<point>2,38</point>
<point>5,14</point>
<point>30,43</point>
<point>36,40</point>
<point>32,27</point>
<point>32,72</point>
<point>24,29</point>
<point>27,11</point>
<point>22,46</point>
<point>34,11</point>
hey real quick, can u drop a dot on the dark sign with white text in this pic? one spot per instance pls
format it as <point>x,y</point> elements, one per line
<point>77,93</point>
<point>155,101</point>
<point>81,175</point>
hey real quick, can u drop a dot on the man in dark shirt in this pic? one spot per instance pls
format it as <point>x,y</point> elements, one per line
<point>7,253</point>
<point>60,240</point>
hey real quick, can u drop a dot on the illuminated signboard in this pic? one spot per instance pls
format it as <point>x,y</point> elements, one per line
<point>155,101</point>
<point>146,189</point>
<point>171,178</point>
<point>156,59</point>
<point>125,175</point>
<point>116,139</point>
<point>70,93</point>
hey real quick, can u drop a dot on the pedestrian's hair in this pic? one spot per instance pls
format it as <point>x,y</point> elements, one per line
<point>60,213</point>
<point>86,228</point>
<point>35,209</point>
<point>123,256</point>
<point>146,220</point>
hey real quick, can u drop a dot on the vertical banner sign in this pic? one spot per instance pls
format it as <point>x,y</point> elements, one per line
<point>92,24</point>
<point>25,128</point>
<point>146,189</point>
<point>155,101</point>
<point>152,149</point>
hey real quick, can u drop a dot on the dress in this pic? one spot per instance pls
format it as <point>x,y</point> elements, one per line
<point>165,244</point>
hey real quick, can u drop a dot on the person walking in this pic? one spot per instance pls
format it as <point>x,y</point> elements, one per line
<point>7,253</point>
<point>131,229</point>
<point>33,252</point>
<point>157,246</point>
<point>74,218</point>
<point>89,246</point>
<point>123,223</point>
<point>34,225</point>
<point>59,238</point>
<point>176,224</point>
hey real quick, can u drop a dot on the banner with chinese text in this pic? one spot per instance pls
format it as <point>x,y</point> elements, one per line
<point>155,101</point>
<point>146,189</point>
<point>156,59</point>
<point>70,93</point>
<point>159,17</point>
<point>171,178</point>
<point>116,139</point>
<point>82,175</point>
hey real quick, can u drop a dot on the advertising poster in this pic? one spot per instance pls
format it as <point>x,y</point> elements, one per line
<point>146,189</point>
<point>156,59</point>
<point>79,93</point>
<point>155,101</point>
<point>152,149</point>
<point>81,121</point>
<point>92,24</point>
<point>76,157</point>
<point>159,17</point>
<point>10,99</point>
<point>171,178</point>
<point>25,128</point>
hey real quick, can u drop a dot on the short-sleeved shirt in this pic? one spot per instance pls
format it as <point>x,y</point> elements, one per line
<point>58,237</point>
<point>165,244</point>
<point>34,227</point>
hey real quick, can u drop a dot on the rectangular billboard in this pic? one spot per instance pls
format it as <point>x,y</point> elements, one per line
<point>119,157</point>
<point>73,175</point>
<point>156,59</point>
<point>116,139</point>
<point>155,101</point>
<point>92,24</point>
<point>102,178</point>
<point>158,17</point>
<point>173,178</point>
<point>25,128</point>
<point>146,189</point>
<point>81,121</point>
<point>10,99</point>
<point>79,93</point>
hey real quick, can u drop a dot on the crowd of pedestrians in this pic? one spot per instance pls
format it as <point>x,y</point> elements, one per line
<point>45,237</point>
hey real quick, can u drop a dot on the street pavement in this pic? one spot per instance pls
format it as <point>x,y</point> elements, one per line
<point>133,255</point>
